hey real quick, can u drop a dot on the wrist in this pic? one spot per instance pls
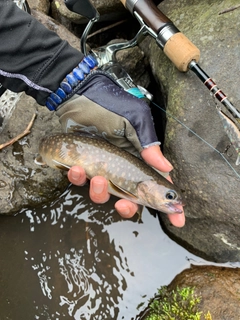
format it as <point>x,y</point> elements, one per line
<point>70,82</point>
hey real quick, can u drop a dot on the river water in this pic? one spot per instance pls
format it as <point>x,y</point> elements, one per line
<point>73,259</point>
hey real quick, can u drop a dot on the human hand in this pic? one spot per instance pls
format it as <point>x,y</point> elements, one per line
<point>99,185</point>
<point>103,108</point>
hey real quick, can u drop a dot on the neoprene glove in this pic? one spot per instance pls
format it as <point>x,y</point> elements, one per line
<point>101,107</point>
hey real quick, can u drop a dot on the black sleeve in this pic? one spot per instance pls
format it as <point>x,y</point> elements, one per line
<point>32,58</point>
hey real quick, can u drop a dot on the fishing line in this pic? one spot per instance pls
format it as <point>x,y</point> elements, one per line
<point>203,140</point>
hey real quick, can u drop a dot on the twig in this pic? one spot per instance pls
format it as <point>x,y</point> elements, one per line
<point>21,135</point>
<point>229,9</point>
<point>106,28</point>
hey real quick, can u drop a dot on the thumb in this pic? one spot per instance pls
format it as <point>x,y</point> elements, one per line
<point>154,157</point>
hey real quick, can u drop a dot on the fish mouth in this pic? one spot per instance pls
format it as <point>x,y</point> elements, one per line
<point>175,207</point>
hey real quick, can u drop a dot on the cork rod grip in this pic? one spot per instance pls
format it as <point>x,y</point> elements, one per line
<point>181,51</point>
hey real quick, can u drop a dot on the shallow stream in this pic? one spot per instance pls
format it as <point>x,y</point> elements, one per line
<point>73,259</point>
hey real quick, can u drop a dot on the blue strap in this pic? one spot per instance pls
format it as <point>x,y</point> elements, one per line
<point>70,82</point>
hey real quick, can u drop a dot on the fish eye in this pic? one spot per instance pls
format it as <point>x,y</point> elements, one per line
<point>171,195</point>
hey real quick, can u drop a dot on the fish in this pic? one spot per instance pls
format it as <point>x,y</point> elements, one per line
<point>128,176</point>
<point>232,131</point>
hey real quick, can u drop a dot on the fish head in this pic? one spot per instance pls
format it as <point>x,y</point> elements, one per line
<point>164,198</point>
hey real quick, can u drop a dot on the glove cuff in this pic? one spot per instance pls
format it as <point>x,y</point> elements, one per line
<point>70,82</point>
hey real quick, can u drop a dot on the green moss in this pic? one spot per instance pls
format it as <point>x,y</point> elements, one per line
<point>181,304</point>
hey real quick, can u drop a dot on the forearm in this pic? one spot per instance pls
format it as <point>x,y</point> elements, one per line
<point>33,58</point>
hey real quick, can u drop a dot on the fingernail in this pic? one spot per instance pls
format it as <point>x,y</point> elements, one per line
<point>75,175</point>
<point>98,187</point>
<point>168,163</point>
<point>125,212</point>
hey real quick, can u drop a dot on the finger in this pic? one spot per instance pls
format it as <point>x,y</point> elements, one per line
<point>99,190</point>
<point>125,208</point>
<point>77,176</point>
<point>178,219</point>
<point>154,157</point>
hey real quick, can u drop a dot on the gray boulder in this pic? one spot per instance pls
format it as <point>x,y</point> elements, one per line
<point>22,182</point>
<point>209,184</point>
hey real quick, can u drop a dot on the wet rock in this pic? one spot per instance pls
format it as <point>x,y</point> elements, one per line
<point>209,185</point>
<point>218,288</point>
<point>40,5</point>
<point>24,183</point>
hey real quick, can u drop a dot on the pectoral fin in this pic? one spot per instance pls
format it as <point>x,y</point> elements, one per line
<point>121,192</point>
<point>164,174</point>
<point>139,212</point>
<point>39,161</point>
<point>61,165</point>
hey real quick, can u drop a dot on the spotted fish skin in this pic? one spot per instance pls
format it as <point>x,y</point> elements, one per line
<point>232,132</point>
<point>128,177</point>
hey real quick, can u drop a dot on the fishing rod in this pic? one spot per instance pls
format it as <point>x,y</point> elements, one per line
<point>179,49</point>
<point>176,46</point>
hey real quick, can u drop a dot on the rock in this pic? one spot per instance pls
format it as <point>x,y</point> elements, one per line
<point>218,287</point>
<point>22,182</point>
<point>209,185</point>
<point>39,5</point>
<point>61,14</point>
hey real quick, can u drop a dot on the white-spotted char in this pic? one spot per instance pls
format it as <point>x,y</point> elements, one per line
<point>128,177</point>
